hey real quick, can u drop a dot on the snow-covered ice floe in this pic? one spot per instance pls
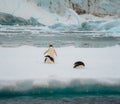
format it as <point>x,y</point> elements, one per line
<point>23,71</point>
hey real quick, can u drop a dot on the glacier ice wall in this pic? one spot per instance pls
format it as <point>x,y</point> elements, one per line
<point>97,7</point>
<point>62,14</point>
<point>8,19</point>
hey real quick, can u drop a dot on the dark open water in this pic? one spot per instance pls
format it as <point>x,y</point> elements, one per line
<point>77,100</point>
<point>32,36</point>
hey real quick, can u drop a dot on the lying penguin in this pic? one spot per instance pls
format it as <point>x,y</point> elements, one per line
<point>79,64</point>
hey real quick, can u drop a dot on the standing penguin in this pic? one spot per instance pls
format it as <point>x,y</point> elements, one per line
<point>50,54</point>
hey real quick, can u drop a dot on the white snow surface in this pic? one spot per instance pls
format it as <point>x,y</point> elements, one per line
<point>26,63</point>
